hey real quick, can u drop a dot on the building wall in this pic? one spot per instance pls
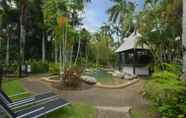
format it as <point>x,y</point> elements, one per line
<point>139,70</point>
<point>184,35</point>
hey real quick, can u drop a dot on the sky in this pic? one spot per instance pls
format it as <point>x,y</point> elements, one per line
<point>95,13</point>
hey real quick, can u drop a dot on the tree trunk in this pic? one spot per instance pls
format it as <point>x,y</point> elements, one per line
<point>86,57</point>
<point>1,76</point>
<point>78,51</point>
<point>184,38</point>
<point>0,42</point>
<point>60,61</point>
<point>7,50</point>
<point>56,52</point>
<point>71,55</point>
<point>43,48</point>
<point>22,35</point>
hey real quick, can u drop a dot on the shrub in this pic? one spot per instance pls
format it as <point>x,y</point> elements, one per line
<point>166,91</point>
<point>13,68</point>
<point>71,77</point>
<point>164,75</point>
<point>54,68</point>
<point>173,68</point>
<point>38,66</point>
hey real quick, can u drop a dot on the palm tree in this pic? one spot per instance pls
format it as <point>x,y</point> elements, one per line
<point>122,13</point>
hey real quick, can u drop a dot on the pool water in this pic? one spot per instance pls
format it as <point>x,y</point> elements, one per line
<point>101,75</point>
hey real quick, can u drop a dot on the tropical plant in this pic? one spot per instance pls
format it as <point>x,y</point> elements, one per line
<point>72,77</point>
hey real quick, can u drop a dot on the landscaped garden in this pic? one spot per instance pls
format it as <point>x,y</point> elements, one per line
<point>127,60</point>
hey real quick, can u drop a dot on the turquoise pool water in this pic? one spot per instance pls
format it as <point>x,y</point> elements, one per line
<point>101,75</point>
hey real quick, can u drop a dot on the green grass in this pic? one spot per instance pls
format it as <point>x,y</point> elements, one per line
<point>136,114</point>
<point>13,87</point>
<point>75,111</point>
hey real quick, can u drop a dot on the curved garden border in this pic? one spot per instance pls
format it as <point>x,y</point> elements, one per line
<point>117,86</point>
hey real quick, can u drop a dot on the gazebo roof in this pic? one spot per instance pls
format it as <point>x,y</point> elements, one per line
<point>131,43</point>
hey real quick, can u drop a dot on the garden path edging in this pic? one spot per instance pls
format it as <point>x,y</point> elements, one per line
<point>117,86</point>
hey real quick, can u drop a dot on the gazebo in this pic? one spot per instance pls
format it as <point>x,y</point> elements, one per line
<point>133,58</point>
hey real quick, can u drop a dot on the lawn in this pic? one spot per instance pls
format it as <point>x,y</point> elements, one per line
<point>14,87</point>
<point>78,110</point>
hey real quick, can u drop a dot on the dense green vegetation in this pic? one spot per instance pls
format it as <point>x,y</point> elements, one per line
<point>167,92</point>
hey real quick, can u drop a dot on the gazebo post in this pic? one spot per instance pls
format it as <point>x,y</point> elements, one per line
<point>134,61</point>
<point>1,76</point>
<point>120,61</point>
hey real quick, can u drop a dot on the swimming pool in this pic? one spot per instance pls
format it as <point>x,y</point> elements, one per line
<point>100,75</point>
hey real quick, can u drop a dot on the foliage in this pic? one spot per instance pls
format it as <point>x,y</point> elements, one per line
<point>167,92</point>
<point>173,68</point>
<point>161,27</point>
<point>101,51</point>
<point>54,68</point>
<point>38,66</point>
<point>13,68</point>
<point>72,77</point>
<point>122,12</point>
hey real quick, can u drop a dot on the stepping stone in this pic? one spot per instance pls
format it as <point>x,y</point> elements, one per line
<point>113,112</point>
<point>116,109</point>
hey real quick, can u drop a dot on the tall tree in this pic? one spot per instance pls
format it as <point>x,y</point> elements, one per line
<point>161,27</point>
<point>122,13</point>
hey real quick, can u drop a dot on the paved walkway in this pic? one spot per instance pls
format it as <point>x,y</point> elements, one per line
<point>127,97</point>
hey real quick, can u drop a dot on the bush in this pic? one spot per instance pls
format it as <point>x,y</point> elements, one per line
<point>173,68</point>
<point>72,77</point>
<point>164,75</point>
<point>38,66</point>
<point>166,91</point>
<point>54,68</point>
<point>13,69</point>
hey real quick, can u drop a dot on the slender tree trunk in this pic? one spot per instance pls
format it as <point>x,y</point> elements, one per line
<point>60,61</point>
<point>63,51</point>
<point>86,56</point>
<point>56,53</point>
<point>184,39</point>
<point>7,50</point>
<point>43,48</point>
<point>22,34</point>
<point>1,76</point>
<point>71,55</point>
<point>78,51</point>
<point>0,42</point>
